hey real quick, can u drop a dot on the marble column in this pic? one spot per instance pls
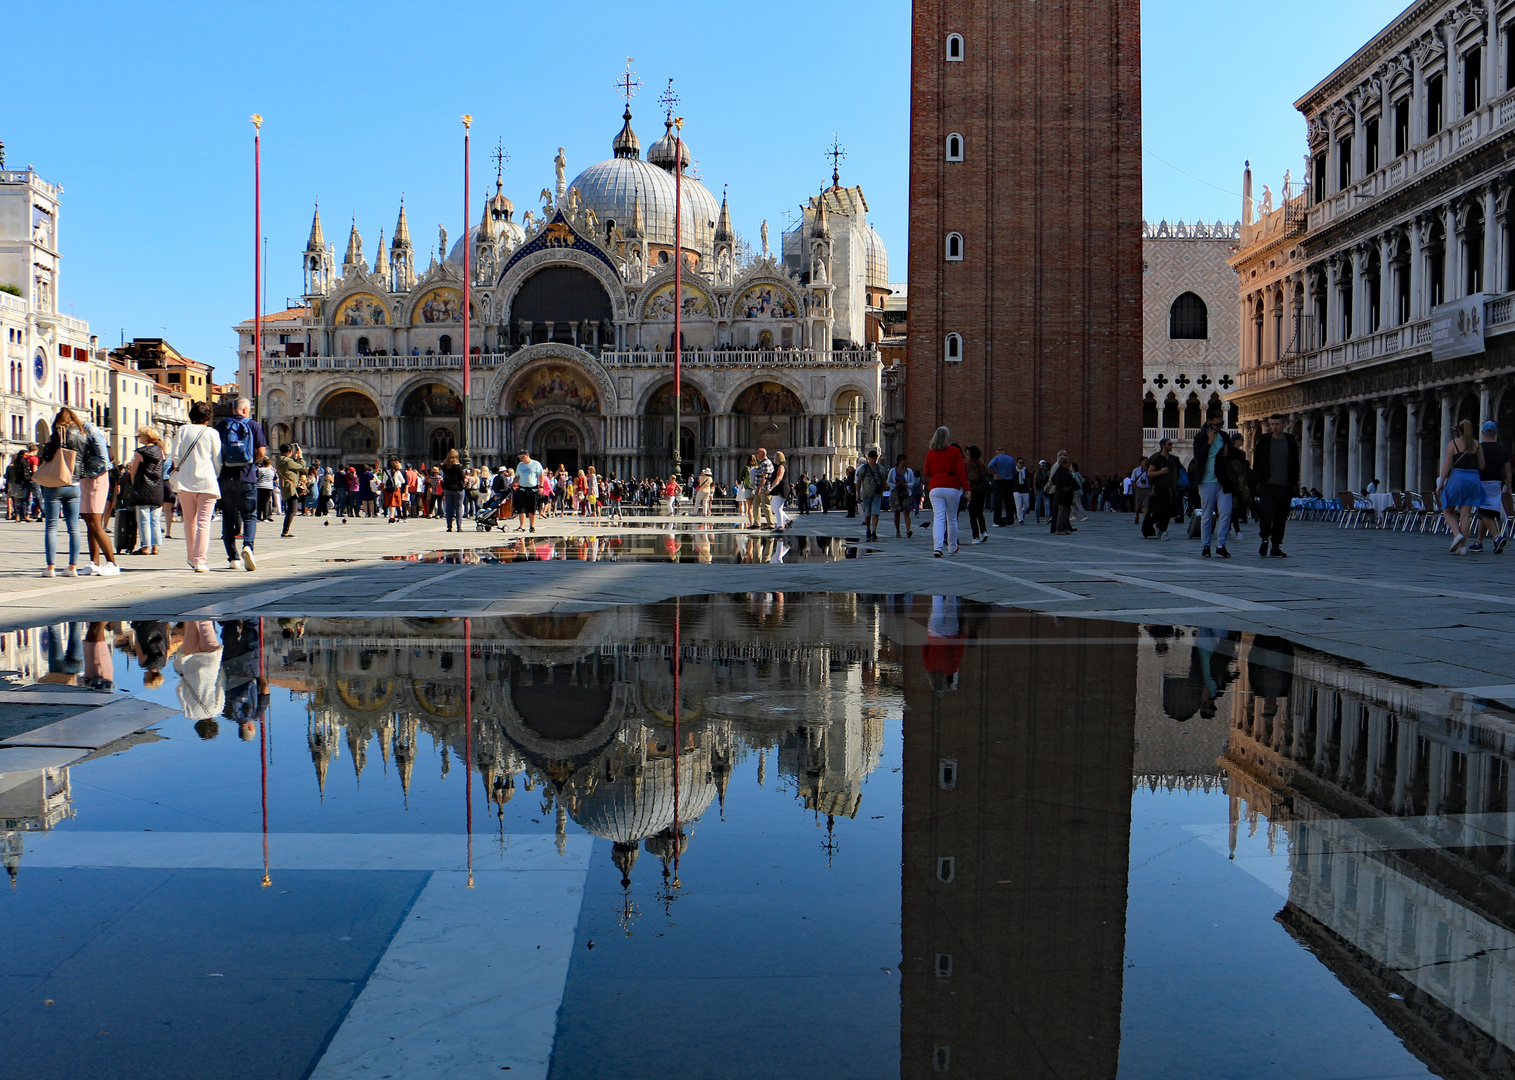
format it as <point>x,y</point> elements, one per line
<point>1381,446</point>
<point>1386,312</point>
<point>1412,444</point>
<point>1452,259</point>
<point>1354,447</point>
<point>1417,267</point>
<point>1359,256</point>
<point>1446,425</point>
<point>1333,302</point>
<point>1491,238</point>
<point>1328,479</point>
<point>1485,403</point>
<point>1307,450</point>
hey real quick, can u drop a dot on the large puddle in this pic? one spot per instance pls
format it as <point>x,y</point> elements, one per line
<point>699,546</point>
<point>753,836</point>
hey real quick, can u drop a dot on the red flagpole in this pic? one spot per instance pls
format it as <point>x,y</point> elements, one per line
<point>257,372</point>
<point>678,301</point>
<point>464,419</point>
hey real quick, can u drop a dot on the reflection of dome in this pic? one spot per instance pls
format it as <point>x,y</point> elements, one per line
<point>632,808</point>
<point>878,258</point>
<point>610,187</point>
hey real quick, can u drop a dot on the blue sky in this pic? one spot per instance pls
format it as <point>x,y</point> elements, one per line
<point>140,110</point>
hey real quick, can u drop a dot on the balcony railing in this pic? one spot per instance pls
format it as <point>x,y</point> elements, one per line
<point>1499,315</point>
<point>1494,118</point>
<point>747,358</point>
<point>691,358</point>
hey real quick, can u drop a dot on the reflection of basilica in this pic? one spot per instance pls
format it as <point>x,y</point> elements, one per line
<point>572,331</point>
<point>1397,811</point>
<point>579,708</point>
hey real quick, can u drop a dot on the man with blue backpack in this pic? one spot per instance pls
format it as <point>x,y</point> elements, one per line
<point>243,449</point>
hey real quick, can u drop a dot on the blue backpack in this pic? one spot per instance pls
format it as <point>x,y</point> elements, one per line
<point>237,442</point>
<point>1183,478</point>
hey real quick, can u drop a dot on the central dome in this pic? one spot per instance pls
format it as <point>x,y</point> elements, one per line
<point>609,188</point>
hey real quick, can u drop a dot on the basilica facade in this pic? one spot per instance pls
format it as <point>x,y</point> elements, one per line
<point>571,335</point>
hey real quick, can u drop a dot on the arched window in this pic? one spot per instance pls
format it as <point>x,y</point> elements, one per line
<point>444,345</point>
<point>954,147</point>
<point>954,350</point>
<point>955,47</point>
<point>1188,319</point>
<point>954,247</point>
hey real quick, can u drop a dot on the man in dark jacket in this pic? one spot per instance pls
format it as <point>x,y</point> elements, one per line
<point>1275,478</point>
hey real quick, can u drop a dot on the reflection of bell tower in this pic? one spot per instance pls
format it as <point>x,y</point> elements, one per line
<point>317,260</point>
<point>1016,845</point>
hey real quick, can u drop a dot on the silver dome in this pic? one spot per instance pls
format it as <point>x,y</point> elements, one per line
<point>509,229</point>
<point>878,259</point>
<point>609,188</point>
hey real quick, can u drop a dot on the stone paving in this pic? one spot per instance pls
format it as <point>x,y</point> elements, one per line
<point>1398,603</point>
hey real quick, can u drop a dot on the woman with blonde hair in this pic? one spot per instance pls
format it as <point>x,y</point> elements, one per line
<point>946,478</point>
<point>196,480</point>
<point>145,474</point>
<point>778,487</point>
<point>1461,483</point>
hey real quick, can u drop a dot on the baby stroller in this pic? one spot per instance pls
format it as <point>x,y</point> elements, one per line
<point>490,513</point>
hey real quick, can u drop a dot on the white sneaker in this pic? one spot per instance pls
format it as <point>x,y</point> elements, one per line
<point>1458,543</point>
<point>109,569</point>
<point>200,567</point>
<point>47,571</point>
<point>71,572</point>
<point>1162,536</point>
<point>87,569</point>
<point>247,559</point>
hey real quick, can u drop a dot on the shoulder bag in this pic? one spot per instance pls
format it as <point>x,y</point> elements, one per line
<point>58,471</point>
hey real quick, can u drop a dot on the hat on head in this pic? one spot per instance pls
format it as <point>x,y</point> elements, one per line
<point>1489,427</point>
<point>503,468</point>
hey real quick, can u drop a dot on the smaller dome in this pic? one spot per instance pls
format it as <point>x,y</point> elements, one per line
<point>512,233</point>
<point>878,259</point>
<point>664,152</point>
<point>626,144</point>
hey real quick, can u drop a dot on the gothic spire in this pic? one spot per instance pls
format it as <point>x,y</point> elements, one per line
<point>381,258</point>
<point>317,242</point>
<point>723,231</point>
<point>354,254</point>
<point>402,229</point>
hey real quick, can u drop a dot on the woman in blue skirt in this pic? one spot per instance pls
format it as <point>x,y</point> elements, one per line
<point>1460,484</point>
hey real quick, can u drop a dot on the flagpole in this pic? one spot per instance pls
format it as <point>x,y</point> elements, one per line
<point>463,454</point>
<point>678,300</point>
<point>257,371</point>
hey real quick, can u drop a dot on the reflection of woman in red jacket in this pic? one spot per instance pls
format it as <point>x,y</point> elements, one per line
<point>945,640</point>
<point>946,478</point>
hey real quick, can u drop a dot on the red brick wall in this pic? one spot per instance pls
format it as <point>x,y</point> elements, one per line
<point>1048,298</point>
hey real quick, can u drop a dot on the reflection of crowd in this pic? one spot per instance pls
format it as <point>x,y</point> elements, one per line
<point>219,667</point>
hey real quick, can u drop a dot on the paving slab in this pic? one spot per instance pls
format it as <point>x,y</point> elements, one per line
<point>96,728</point>
<point>27,758</point>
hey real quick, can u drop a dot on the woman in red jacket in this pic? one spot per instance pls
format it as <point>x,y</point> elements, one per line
<point>946,478</point>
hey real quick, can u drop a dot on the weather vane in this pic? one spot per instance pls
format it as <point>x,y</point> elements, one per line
<point>628,84</point>
<point>836,153</point>
<point>668,99</point>
<point>501,156</point>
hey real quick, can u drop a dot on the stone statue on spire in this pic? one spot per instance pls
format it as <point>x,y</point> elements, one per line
<point>764,232</point>
<point>442,240</point>
<point>560,166</point>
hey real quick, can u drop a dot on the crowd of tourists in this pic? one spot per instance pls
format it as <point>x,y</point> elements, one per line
<point>225,465</point>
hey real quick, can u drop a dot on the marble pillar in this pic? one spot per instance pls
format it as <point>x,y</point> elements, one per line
<point>1328,479</point>
<point>1381,446</point>
<point>1354,448</point>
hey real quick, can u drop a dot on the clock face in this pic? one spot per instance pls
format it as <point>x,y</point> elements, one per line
<point>39,366</point>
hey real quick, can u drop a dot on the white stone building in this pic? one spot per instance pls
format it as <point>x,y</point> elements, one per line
<point>47,354</point>
<point>1353,287</point>
<point>571,335</point>
<point>1189,327</point>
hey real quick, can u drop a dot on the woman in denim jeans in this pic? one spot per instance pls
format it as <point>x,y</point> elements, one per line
<point>68,434</point>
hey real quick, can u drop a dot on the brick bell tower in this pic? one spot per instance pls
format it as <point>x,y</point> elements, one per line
<point>1025,229</point>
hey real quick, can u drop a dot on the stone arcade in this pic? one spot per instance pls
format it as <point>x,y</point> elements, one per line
<point>573,324</point>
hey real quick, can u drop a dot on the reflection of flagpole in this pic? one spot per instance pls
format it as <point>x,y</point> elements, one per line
<point>468,738</point>
<point>678,662</point>
<point>263,755</point>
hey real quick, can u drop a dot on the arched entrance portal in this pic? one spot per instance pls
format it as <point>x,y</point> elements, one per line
<point>558,444</point>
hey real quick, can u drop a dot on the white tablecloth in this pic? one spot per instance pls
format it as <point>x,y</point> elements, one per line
<point>1382,502</point>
